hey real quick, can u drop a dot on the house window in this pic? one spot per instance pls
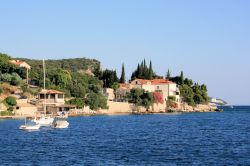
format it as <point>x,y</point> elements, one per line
<point>52,96</point>
<point>158,87</point>
<point>60,96</point>
<point>41,96</point>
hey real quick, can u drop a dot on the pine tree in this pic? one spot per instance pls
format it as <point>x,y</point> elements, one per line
<point>122,79</point>
<point>150,72</point>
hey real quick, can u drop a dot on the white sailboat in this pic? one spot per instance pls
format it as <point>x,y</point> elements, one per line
<point>29,127</point>
<point>44,120</point>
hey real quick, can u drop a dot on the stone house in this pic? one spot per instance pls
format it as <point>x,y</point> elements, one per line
<point>53,97</point>
<point>109,93</point>
<point>121,93</point>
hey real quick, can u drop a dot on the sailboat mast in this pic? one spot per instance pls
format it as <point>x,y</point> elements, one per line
<point>44,86</point>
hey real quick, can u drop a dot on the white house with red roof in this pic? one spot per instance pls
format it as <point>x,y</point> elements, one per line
<point>166,87</point>
<point>22,64</point>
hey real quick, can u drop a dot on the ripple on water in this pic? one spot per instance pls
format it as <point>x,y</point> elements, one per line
<point>182,139</point>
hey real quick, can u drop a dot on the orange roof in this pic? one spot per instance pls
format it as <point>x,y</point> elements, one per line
<point>16,62</point>
<point>50,91</point>
<point>155,81</point>
<point>125,86</point>
<point>161,81</point>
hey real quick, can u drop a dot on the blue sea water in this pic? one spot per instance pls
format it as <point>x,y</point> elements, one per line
<point>221,138</point>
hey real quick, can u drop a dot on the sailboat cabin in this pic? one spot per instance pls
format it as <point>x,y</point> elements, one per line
<point>53,97</point>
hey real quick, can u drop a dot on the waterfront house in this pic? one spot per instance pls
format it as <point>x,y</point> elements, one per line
<point>53,97</point>
<point>166,87</point>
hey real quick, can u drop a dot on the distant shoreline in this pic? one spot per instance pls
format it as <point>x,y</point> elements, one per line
<point>113,114</point>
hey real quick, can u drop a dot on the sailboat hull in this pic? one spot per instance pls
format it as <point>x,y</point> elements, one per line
<point>29,127</point>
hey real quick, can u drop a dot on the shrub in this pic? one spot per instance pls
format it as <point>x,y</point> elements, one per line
<point>5,77</point>
<point>76,101</point>
<point>172,98</point>
<point>10,101</point>
<point>13,79</point>
<point>16,79</point>
<point>96,101</point>
<point>5,113</point>
<point>158,97</point>
<point>140,97</point>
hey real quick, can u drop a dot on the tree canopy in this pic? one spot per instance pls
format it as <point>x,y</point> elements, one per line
<point>123,79</point>
<point>191,93</point>
<point>143,71</point>
<point>140,97</point>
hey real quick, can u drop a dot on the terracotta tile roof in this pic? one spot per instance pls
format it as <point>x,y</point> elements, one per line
<point>161,81</point>
<point>125,86</point>
<point>155,81</point>
<point>16,62</point>
<point>50,91</point>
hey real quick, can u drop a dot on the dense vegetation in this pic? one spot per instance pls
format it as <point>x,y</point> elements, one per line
<point>140,97</point>
<point>191,93</point>
<point>110,78</point>
<point>9,72</point>
<point>64,75</point>
<point>69,76</point>
<point>144,72</point>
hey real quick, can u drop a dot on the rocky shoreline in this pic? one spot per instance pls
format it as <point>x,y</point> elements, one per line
<point>139,111</point>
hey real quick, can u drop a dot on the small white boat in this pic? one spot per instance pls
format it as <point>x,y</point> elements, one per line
<point>29,127</point>
<point>60,124</point>
<point>44,120</point>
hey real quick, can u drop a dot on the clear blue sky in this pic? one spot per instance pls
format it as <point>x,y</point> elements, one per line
<point>208,40</point>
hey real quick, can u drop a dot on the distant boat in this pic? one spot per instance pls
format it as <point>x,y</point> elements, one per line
<point>29,127</point>
<point>44,120</point>
<point>60,124</point>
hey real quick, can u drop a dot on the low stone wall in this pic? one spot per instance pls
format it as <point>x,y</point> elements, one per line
<point>118,108</point>
<point>127,108</point>
<point>26,111</point>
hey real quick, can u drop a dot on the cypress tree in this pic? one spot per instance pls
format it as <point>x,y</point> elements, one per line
<point>168,75</point>
<point>150,71</point>
<point>181,78</point>
<point>141,71</point>
<point>145,70</point>
<point>122,79</point>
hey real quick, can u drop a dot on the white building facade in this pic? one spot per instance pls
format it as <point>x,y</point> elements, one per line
<point>166,87</point>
